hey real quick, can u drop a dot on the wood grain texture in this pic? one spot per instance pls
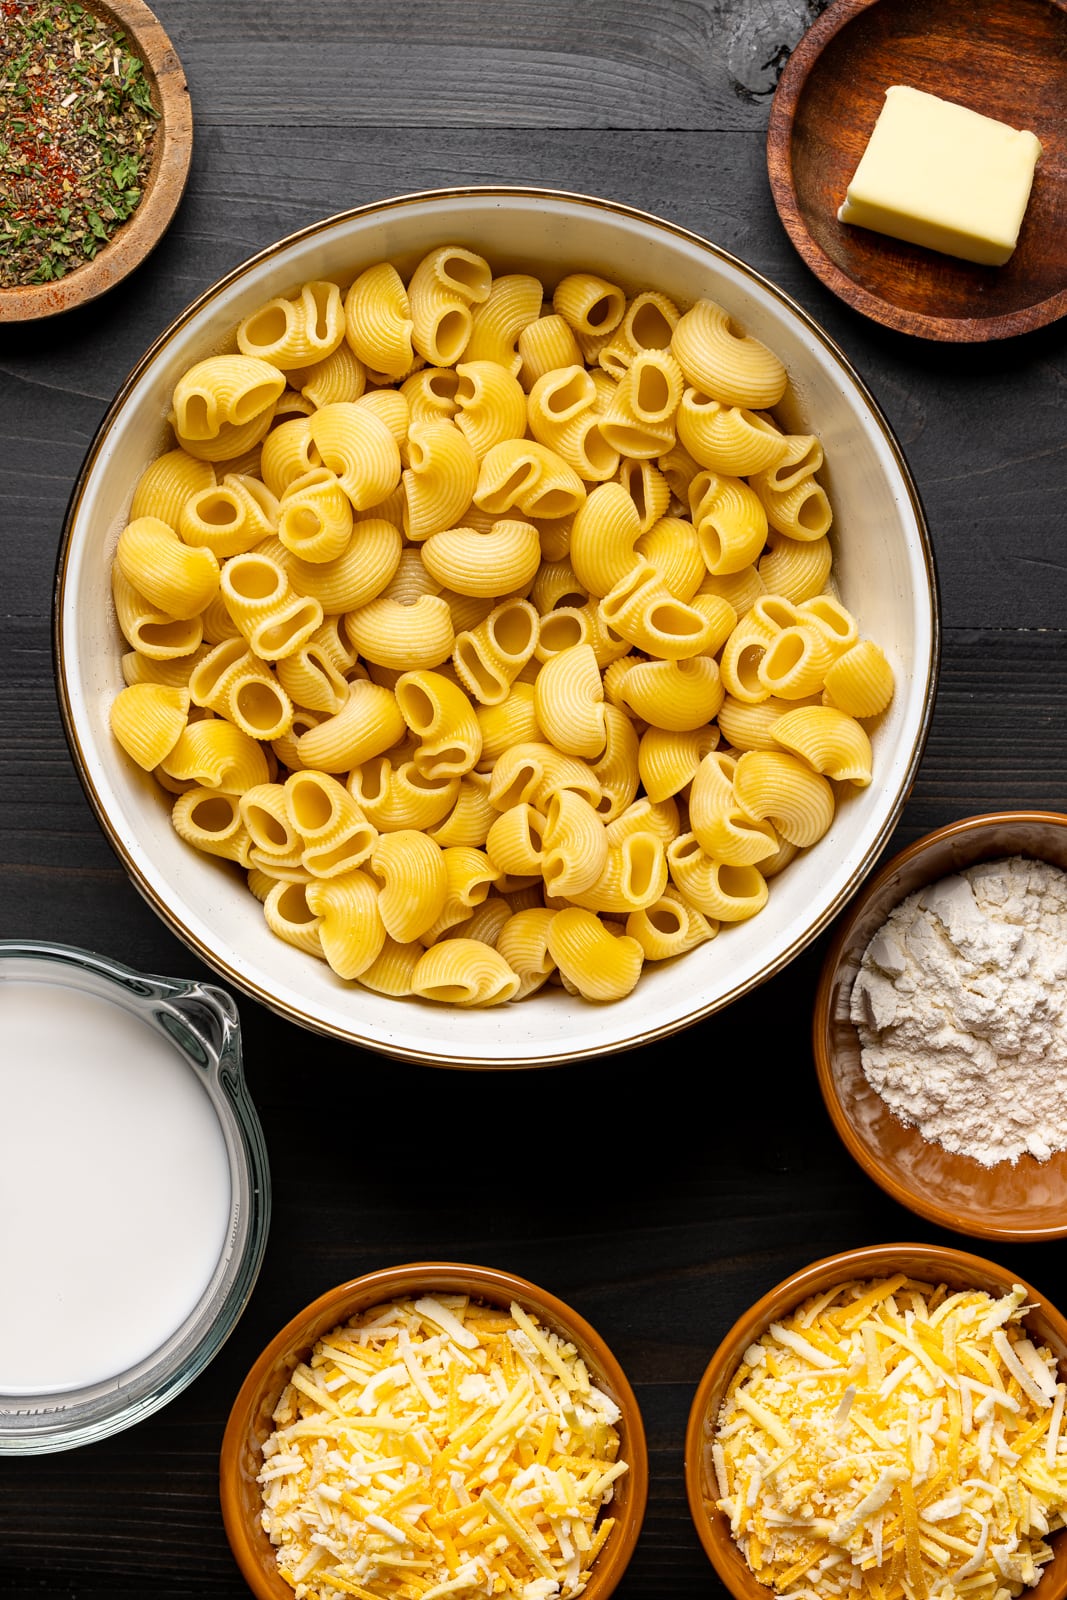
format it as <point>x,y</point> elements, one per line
<point>708,1216</point>
<point>1004,59</point>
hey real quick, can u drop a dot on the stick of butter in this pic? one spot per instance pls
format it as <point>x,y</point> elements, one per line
<point>940,175</point>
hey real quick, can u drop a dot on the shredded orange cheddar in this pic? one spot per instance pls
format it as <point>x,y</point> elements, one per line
<point>435,1448</point>
<point>894,1441</point>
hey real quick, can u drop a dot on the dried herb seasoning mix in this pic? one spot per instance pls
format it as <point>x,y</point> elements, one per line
<point>76,131</point>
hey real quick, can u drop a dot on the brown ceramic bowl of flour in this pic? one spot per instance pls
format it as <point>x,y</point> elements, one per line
<point>1024,1197</point>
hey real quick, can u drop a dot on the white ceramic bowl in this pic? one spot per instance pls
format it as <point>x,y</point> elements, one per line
<point>883,565</point>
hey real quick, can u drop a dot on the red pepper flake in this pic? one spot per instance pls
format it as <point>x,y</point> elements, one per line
<point>77,125</point>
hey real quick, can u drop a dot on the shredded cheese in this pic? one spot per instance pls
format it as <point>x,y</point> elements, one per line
<point>440,1447</point>
<point>893,1441</point>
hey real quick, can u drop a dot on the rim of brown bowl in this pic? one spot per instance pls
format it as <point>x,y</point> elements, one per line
<point>1025,1201</point>
<point>250,1417</point>
<point>164,184</point>
<point>940,1263</point>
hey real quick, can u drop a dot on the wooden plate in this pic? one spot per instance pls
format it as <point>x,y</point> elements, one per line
<point>1004,58</point>
<point>163,186</point>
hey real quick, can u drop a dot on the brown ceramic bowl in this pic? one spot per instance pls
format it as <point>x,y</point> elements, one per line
<point>928,1263</point>
<point>250,1419</point>
<point>1027,1200</point>
<point>163,187</point>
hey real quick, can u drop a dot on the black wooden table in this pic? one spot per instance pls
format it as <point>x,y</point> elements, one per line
<point>303,109</point>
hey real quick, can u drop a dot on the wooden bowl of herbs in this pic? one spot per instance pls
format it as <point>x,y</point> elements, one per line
<point>96,137</point>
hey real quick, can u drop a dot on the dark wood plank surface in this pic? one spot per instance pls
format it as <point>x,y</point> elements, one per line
<point>302,110</point>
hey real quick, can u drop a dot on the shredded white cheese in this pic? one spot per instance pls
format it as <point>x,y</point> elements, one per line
<point>893,1441</point>
<point>440,1447</point>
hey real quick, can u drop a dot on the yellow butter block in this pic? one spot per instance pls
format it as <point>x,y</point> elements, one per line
<point>940,175</point>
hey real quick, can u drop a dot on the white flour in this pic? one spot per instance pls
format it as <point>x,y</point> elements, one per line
<point>961,1008</point>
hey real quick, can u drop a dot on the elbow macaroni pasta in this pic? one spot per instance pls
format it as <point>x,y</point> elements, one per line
<point>491,633</point>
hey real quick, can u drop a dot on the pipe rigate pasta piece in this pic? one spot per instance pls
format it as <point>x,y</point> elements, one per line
<point>672,547</point>
<point>641,609</point>
<point>670,926</point>
<point>777,787</point>
<point>589,304</point>
<point>668,760</point>
<point>569,701</point>
<point>172,576</point>
<point>265,814</point>
<point>616,770</point>
<point>501,561</point>
<point>368,724</point>
<point>829,740</point>
<point>490,405</point>
<point>730,440</point>
<point>534,772</point>
<point>725,363</point>
<point>510,721</point>
<point>860,681</point>
<point>795,568</point>
<point>148,719</point>
<point>443,287</point>
<point>639,419</point>
<point>363,570</point>
<point>523,943</point>
<point>350,926</point>
<point>173,673</point>
<point>414,883</point>
<point>395,794</point>
<point>297,332</point>
<point>563,415</point>
<point>600,965</point>
<point>515,843</point>
<point>378,323</point>
<point>471,817</point>
<point>312,676</point>
<point>225,391</point>
<point>794,664</point>
<point>271,615</point>
<point>470,876</point>
<point>240,686</point>
<point>167,484</point>
<point>212,823</point>
<point>217,755</point>
<point>339,376</point>
<point>522,475</point>
<point>288,453</point>
<point>440,479</point>
<point>512,303</point>
<point>676,695</point>
<point>396,636</point>
<point>633,876</point>
<point>443,721</point>
<point>489,658</point>
<point>357,445</point>
<point>717,889</point>
<point>230,517</point>
<point>544,346</point>
<point>604,534</point>
<point>748,726</point>
<point>730,521</point>
<point>151,632</point>
<point>464,972</point>
<point>649,324</point>
<point>563,629</point>
<point>315,517</point>
<point>431,394</point>
<point>648,488</point>
<point>289,917</point>
<point>575,845</point>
